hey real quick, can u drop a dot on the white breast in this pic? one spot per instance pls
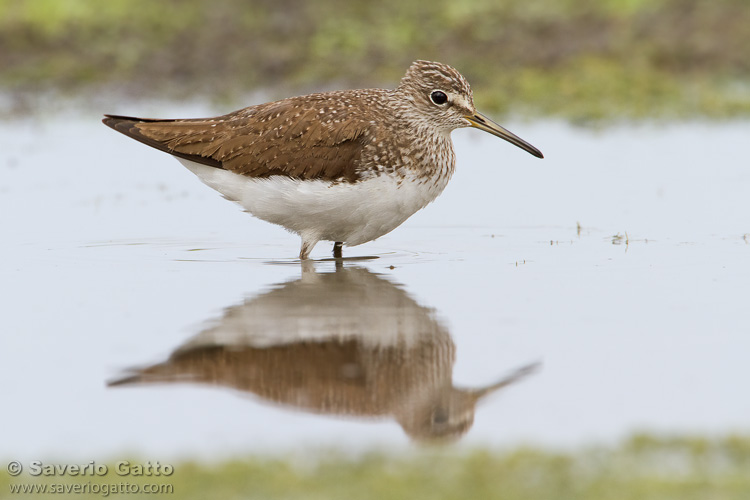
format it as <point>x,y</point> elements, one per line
<point>353,213</point>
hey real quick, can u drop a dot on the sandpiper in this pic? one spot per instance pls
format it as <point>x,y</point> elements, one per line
<point>348,343</point>
<point>346,166</point>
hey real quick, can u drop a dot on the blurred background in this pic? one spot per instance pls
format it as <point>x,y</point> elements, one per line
<point>591,307</point>
<point>577,59</point>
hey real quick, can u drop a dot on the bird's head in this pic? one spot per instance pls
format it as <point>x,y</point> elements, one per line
<point>441,97</point>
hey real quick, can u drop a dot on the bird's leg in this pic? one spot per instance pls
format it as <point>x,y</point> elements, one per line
<point>308,243</point>
<point>337,254</point>
<point>308,270</point>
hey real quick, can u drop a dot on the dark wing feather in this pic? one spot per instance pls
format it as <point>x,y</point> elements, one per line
<point>315,137</point>
<point>130,126</point>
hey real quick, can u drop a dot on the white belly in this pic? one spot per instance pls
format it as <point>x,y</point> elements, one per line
<point>353,213</point>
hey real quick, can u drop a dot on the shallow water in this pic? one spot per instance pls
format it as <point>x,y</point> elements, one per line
<point>620,265</point>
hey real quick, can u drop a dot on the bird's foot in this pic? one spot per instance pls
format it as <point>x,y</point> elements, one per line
<point>337,252</point>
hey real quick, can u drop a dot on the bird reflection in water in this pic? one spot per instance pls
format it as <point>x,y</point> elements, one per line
<point>349,343</point>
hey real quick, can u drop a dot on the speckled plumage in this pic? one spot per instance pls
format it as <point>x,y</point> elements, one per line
<point>345,166</point>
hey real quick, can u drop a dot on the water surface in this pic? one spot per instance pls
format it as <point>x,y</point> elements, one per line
<point>620,264</point>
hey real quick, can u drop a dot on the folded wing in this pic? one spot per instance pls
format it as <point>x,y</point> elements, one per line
<point>319,138</point>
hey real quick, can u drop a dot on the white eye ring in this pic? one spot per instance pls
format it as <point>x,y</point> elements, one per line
<point>438,97</point>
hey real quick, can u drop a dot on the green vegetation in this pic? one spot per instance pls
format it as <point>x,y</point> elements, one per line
<point>643,468</point>
<point>577,59</point>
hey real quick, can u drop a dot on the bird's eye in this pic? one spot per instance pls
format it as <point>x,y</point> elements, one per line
<point>438,97</point>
